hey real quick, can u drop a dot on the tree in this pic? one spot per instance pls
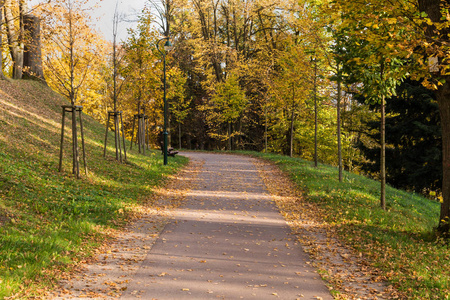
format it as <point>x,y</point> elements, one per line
<point>225,108</point>
<point>142,71</point>
<point>179,100</point>
<point>70,52</point>
<point>435,43</point>
<point>117,84</point>
<point>414,147</point>
<point>2,75</point>
<point>71,47</point>
<point>367,37</point>
<point>291,87</point>
<point>15,34</point>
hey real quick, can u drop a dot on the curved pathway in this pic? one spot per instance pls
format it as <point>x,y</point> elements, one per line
<point>228,242</point>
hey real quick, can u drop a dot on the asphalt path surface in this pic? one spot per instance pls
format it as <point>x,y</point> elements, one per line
<point>228,241</point>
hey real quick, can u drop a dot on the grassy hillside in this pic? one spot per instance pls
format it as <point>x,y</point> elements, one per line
<point>400,241</point>
<point>50,220</point>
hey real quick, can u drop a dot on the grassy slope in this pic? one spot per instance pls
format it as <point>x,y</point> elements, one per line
<point>399,241</point>
<point>49,220</point>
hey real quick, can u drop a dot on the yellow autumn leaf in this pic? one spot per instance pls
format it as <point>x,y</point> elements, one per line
<point>391,21</point>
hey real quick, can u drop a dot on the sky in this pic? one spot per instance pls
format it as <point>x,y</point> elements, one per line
<point>104,14</point>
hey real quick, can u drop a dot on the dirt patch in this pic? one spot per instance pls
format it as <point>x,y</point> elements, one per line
<point>4,218</point>
<point>348,273</point>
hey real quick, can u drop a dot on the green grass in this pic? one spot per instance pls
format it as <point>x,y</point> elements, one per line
<point>400,241</point>
<point>50,220</point>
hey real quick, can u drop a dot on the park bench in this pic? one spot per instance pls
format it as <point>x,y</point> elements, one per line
<point>170,151</point>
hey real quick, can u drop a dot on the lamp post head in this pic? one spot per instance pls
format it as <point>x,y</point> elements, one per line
<point>168,45</point>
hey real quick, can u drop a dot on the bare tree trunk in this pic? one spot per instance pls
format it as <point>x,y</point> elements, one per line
<point>291,142</point>
<point>229,135</point>
<point>315,113</point>
<point>179,135</point>
<point>72,93</point>
<point>2,76</point>
<point>383,155</point>
<point>339,86</point>
<point>265,127</point>
<point>443,97</point>
<point>15,37</point>
<point>433,10</point>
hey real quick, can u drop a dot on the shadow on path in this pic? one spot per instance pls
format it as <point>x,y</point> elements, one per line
<point>228,242</point>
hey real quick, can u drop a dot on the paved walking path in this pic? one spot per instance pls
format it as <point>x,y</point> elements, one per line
<point>228,242</point>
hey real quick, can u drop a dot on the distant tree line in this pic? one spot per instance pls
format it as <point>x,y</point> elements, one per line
<point>255,75</point>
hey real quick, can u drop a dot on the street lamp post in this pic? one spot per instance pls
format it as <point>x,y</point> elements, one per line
<point>167,47</point>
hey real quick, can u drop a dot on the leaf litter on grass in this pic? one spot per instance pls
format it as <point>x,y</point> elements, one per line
<point>348,274</point>
<point>108,273</point>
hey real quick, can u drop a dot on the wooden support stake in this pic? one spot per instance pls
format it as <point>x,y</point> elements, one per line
<point>75,159</point>
<point>132,133</point>
<point>62,140</point>
<point>82,143</point>
<point>123,138</point>
<point>117,122</point>
<point>106,135</point>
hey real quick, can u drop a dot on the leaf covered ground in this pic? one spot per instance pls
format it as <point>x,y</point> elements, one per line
<point>399,245</point>
<point>51,221</point>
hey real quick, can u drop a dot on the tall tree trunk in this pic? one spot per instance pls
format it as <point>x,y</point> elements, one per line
<point>179,135</point>
<point>339,87</point>
<point>15,37</point>
<point>433,10</point>
<point>229,136</point>
<point>239,145</point>
<point>291,142</point>
<point>72,93</point>
<point>265,127</point>
<point>383,154</point>
<point>167,15</point>
<point>443,97</point>
<point>383,146</point>
<point>315,113</point>
<point>2,76</point>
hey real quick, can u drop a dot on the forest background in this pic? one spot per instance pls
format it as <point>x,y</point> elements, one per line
<point>342,83</point>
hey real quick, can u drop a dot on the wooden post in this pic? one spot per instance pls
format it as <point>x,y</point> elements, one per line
<point>140,132</point>
<point>106,135</point>
<point>123,138</point>
<point>143,130</point>
<point>82,141</point>
<point>117,129</point>
<point>117,121</point>
<point>75,159</point>
<point>147,131</point>
<point>62,139</point>
<point>132,132</point>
